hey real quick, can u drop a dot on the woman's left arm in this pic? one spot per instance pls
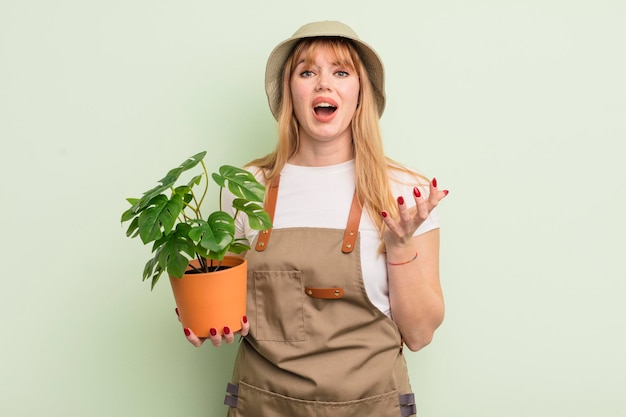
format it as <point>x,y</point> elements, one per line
<point>415,294</point>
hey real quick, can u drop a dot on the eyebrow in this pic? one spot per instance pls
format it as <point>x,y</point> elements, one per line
<point>335,63</point>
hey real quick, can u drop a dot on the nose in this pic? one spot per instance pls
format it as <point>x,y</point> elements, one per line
<point>323,82</point>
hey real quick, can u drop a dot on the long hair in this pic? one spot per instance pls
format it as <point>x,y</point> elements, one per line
<point>371,165</point>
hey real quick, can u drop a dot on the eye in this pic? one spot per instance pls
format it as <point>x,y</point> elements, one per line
<point>306,73</point>
<point>342,73</point>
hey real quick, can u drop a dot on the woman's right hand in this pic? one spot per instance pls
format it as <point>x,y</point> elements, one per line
<point>215,337</point>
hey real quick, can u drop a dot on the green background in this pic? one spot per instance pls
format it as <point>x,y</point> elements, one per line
<point>518,107</point>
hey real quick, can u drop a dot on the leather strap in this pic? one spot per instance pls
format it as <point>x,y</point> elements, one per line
<point>352,228</point>
<point>270,208</point>
<point>408,410</point>
<point>407,399</point>
<point>407,405</point>
<point>232,395</point>
<point>325,293</point>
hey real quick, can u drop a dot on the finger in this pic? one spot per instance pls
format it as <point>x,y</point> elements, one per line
<point>420,204</point>
<point>245,326</point>
<point>229,337</point>
<point>391,225</point>
<point>177,315</point>
<point>192,338</point>
<point>433,197</point>
<point>405,216</point>
<point>435,194</point>
<point>215,337</point>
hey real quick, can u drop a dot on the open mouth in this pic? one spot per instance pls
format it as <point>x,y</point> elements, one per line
<point>324,109</point>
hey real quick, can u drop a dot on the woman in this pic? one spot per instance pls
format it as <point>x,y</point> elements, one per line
<point>350,272</point>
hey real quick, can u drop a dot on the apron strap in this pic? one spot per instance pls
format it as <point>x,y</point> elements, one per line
<point>352,228</point>
<point>270,207</point>
<point>349,237</point>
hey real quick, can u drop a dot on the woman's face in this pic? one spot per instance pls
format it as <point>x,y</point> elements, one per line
<point>325,95</point>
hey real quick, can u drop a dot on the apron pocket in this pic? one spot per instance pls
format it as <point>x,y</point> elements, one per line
<point>278,313</point>
<point>254,401</point>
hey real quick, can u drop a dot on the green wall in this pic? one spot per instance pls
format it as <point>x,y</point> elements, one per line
<point>518,107</point>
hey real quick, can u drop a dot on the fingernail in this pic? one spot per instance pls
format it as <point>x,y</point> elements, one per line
<point>383,213</point>
<point>177,311</point>
<point>400,200</point>
<point>445,192</point>
<point>213,331</point>
<point>416,192</point>
<point>187,331</point>
<point>434,181</point>
<point>245,319</point>
<point>227,330</point>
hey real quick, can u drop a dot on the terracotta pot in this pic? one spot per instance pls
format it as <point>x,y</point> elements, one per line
<point>214,299</point>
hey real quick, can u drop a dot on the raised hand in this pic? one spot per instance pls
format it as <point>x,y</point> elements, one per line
<point>399,231</point>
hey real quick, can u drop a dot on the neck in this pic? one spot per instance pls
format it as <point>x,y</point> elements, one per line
<point>315,153</point>
<point>319,159</point>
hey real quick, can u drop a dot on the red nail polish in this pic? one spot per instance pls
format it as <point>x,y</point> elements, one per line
<point>445,192</point>
<point>226,330</point>
<point>416,192</point>
<point>177,311</point>
<point>400,200</point>
<point>245,319</point>
<point>213,331</point>
<point>383,213</point>
<point>187,331</point>
<point>434,182</point>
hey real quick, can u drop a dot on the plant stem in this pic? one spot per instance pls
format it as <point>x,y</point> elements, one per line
<point>220,199</point>
<point>203,265</point>
<point>206,188</point>
<point>215,268</point>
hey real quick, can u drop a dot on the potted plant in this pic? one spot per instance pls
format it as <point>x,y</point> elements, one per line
<point>192,248</point>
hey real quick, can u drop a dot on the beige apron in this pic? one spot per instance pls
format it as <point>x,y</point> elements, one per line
<point>317,346</point>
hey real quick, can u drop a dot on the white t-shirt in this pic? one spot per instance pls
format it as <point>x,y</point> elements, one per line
<point>321,197</point>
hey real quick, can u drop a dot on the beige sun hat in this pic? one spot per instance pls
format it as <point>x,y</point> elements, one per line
<point>276,60</point>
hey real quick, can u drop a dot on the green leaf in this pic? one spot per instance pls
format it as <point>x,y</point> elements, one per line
<point>173,175</point>
<point>238,247</point>
<point>150,265</point>
<point>185,192</point>
<point>175,262</point>
<point>221,181</point>
<point>240,182</point>
<point>215,234</point>
<point>218,256</point>
<point>133,228</point>
<point>129,214</point>
<point>182,190</point>
<point>159,217</point>
<point>166,182</point>
<point>195,180</point>
<point>171,252</point>
<point>152,268</point>
<point>257,216</point>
